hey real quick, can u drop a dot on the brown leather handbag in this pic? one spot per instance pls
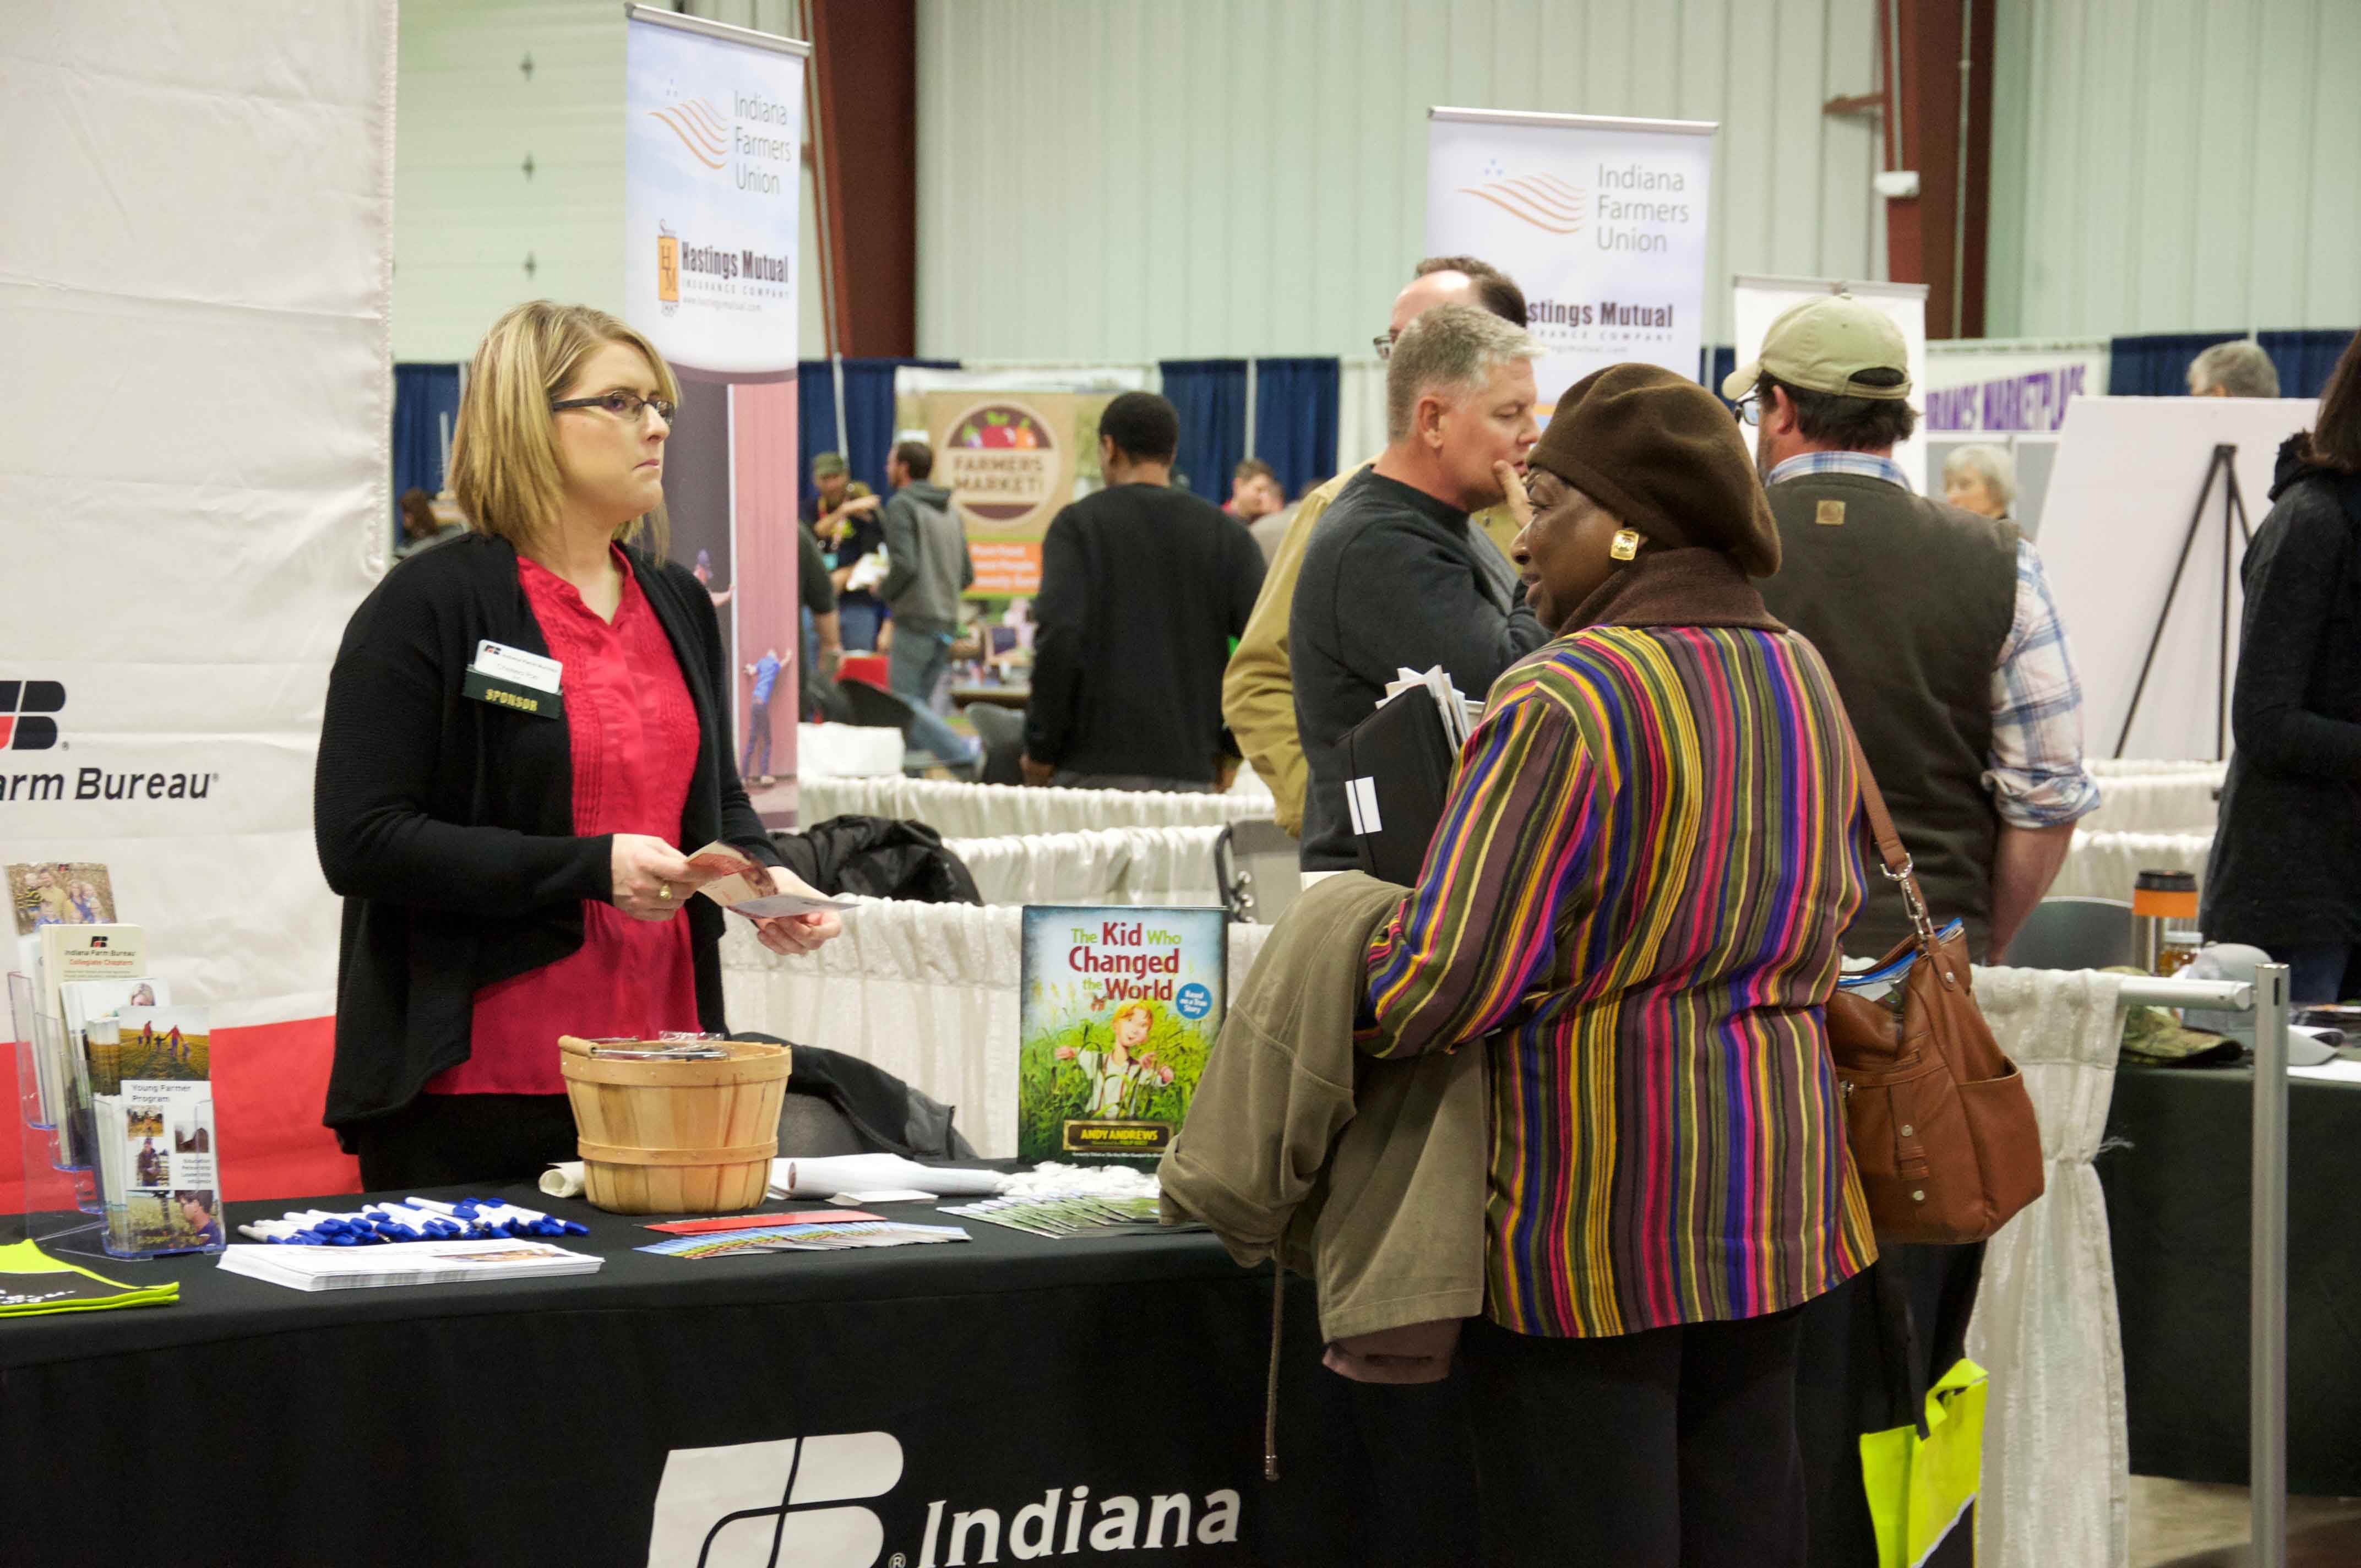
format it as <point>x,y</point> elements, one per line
<point>1941,1128</point>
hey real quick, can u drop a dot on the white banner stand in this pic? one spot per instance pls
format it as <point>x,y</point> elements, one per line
<point>1601,222</point>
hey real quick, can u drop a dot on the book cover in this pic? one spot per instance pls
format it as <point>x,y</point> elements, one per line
<point>60,892</point>
<point>1119,1007</point>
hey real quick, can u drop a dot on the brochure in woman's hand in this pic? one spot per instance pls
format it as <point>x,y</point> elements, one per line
<point>733,882</point>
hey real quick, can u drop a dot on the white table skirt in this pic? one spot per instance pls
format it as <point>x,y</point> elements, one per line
<point>2179,802</point>
<point>2057,1483</point>
<point>2106,865</point>
<point>992,811</point>
<point>929,992</point>
<point>1110,865</point>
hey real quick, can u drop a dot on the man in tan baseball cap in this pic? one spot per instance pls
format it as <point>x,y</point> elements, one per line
<point>1936,623</point>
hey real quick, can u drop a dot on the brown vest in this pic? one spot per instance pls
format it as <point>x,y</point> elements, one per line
<point>1910,602</point>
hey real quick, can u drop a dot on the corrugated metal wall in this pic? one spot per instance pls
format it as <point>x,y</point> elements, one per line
<point>467,216</point>
<point>2175,165</point>
<point>1124,180</point>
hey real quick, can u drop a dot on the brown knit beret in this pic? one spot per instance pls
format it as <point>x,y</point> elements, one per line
<point>1665,455</point>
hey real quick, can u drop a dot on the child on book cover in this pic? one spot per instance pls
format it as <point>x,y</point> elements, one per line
<point>1118,1077</point>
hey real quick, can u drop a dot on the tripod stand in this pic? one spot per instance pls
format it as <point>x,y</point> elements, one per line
<point>2233,511</point>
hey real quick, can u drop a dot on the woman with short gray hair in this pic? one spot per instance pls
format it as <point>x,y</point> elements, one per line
<point>1980,479</point>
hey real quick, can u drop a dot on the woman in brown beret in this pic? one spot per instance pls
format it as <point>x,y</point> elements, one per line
<point>1633,900</point>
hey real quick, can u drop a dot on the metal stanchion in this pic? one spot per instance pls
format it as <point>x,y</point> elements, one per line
<point>2266,1344</point>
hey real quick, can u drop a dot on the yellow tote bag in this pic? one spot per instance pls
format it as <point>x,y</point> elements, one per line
<point>1920,1487</point>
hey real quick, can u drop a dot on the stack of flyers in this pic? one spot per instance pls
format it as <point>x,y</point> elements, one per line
<point>1060,1215</point>
<point>837,1236</point>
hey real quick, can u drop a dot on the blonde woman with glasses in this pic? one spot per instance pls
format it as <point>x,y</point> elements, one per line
<point>524,729</point>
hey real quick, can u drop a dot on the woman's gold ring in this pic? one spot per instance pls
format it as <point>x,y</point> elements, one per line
<point>663,890</point>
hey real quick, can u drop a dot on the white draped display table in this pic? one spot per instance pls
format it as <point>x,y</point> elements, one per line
<point>2180,800</point>
<point>2105,865</point>
<point>1110,865</point>
<point>993,811</point>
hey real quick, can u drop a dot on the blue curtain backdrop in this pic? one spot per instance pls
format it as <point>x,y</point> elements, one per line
<point>2157,364</point>
<point>423,396</point>
<point>868,415</point>
<point>1720,359</point>
<point>2304,358</point>
<point>1295,421</point>
<point>1211,395</point>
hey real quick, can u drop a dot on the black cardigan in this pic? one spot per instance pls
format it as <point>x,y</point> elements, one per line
<point>2286,867</point>
<point>447,822</point>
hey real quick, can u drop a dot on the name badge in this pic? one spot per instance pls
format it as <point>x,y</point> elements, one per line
<point>503,662</point>
<point>511,678</point>
<point>511,695</point>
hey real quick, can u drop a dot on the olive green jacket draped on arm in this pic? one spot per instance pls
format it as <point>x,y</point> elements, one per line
<point>1366,1175</point>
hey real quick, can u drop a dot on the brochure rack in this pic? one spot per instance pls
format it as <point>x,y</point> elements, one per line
<point>62,1122</point>
<point>61,1194</point>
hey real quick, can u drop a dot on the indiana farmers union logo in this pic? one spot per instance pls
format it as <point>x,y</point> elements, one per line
<point>1000,461</point>
<point>703,129</point>
<point>1544,200</point>
<point>25,708</point>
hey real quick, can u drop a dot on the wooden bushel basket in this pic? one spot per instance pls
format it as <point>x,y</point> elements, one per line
<point>675,1137</point>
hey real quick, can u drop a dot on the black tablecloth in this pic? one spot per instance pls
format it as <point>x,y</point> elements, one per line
<point>532,1421</point>
<point>2178,1186</point>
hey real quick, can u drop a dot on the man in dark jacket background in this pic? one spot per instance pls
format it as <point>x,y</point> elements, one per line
<point>928,569</point>
<point>1393,578</point>
<point>1144,589</point>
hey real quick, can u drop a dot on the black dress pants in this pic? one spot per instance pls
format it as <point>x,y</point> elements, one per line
<point>450,1140</point>
<point>1672,1448</point>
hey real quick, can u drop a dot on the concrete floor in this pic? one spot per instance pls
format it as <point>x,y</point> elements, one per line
<point>2186,1524</point>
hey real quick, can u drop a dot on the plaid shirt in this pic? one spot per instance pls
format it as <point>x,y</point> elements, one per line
<point>2036,775</point>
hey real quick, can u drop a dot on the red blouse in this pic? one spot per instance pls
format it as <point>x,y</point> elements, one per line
<point>633,734</point>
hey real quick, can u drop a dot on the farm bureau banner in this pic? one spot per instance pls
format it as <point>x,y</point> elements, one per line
<point>1601,222</point>
<point>196,278</point>
<point>713,121</point>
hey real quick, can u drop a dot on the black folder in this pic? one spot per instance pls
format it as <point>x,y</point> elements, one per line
<point>1398,765</point>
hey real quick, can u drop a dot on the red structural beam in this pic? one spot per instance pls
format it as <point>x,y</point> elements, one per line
<point>865,97</point>
<point>1938,237</point>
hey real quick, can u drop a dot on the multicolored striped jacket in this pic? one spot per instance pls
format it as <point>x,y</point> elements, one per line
<point>1633,900</point>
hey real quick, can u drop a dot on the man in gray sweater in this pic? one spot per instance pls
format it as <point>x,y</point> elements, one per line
<point>1394,576</point>
<point>925,549</point>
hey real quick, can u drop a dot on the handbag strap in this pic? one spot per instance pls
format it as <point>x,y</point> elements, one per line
<point>1897,865</point>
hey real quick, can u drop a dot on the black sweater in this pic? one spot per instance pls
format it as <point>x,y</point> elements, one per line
<point>2286,867</point>
<point>447,822</point>
<point>1393,578</point>
<point>1144,587</point>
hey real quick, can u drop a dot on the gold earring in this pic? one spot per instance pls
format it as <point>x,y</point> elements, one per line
<point>1626,544</point>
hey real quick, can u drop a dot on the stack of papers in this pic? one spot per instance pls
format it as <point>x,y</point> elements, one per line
<point>403,1263</point>
<point>1061,1215</point>
<point>1459,714</point>
<point>834,1237</point>
<point>33,1282</point>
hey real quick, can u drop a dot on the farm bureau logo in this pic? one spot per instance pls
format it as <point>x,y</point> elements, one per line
<point>25,710</point>
<point>783,1504</point>
<point>28,723</point>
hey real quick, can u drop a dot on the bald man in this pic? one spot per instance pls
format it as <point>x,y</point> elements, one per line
<point>1259,687</point>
